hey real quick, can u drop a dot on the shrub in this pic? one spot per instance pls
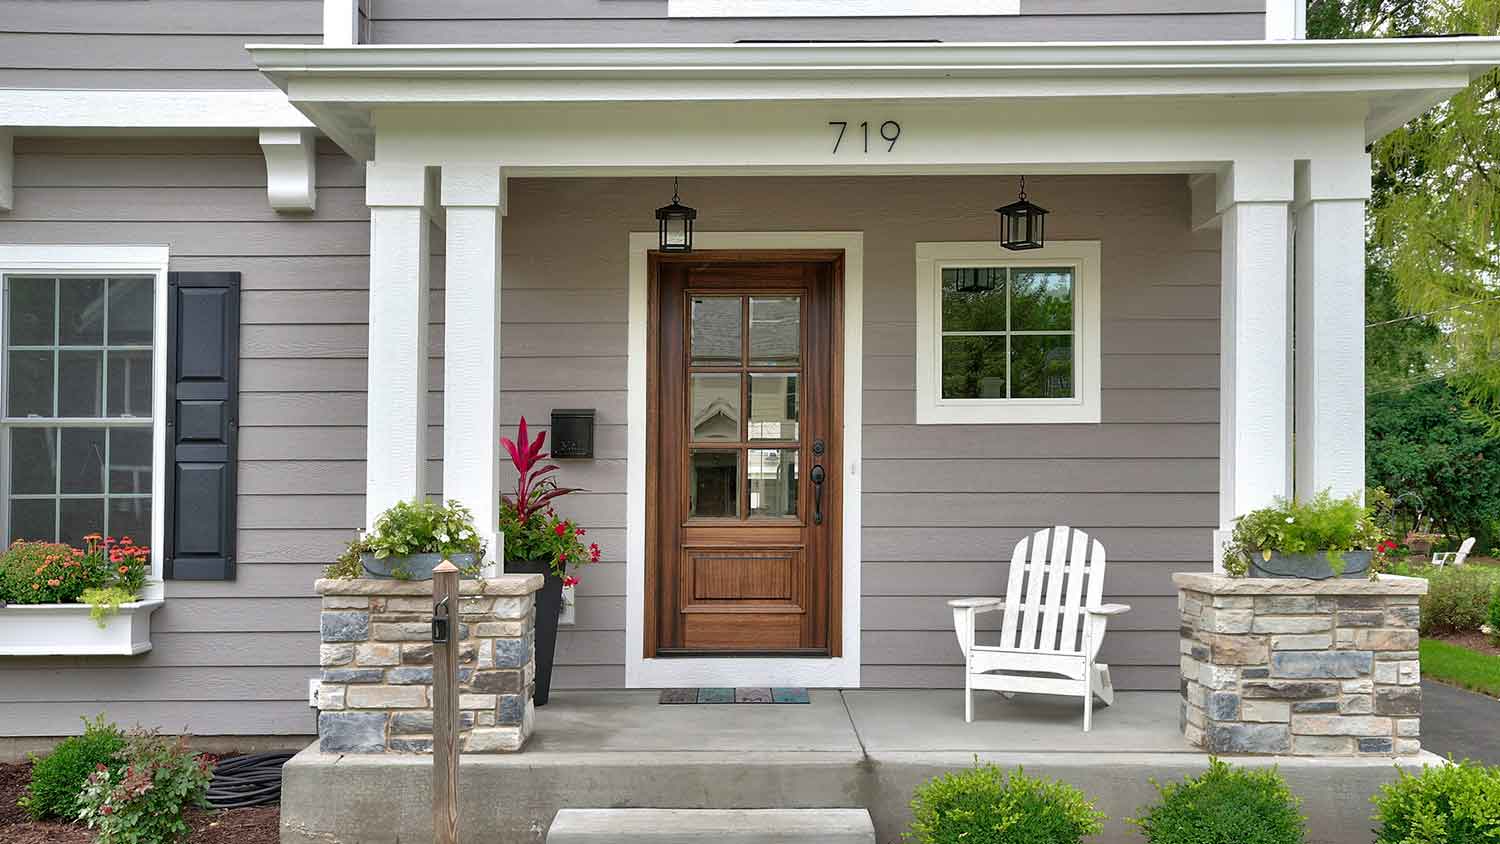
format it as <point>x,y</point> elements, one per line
<point>1224,805</point>
<point>142,803</point>
<point>1448,804</point>
<point>1495,616</point>
<point>1457,599</point>
<point>57,779</point>
<point>985,805</point>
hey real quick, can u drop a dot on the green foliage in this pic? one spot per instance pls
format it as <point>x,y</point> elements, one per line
<point>1457,599</point>
<point>1460,666</point>
<point>1324,524</point>
<point>1493,617</point>
<point>986,805</point>
<point>1224,805</point>
<point>424,527</point>
<point>1442,465</point>
<point>545,536</point>
<point>47,573</point>
<point>1444,804</point>
<point>142,802</point>
<point>105,601</point>
<point>347,566</point>
<point>58,778</point>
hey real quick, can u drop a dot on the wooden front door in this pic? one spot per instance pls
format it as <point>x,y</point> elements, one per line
<point>744,449</point>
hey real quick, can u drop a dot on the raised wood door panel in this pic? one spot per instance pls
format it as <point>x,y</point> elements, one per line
<point>743,546</point>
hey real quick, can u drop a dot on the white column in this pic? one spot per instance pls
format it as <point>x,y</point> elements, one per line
<point>1254,440</point>
<point>396,436</point>
<point>474,199</point>
<point>341,19</point>
<point>1330,317</point>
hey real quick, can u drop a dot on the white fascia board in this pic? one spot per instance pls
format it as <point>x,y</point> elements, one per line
<point>837,8</point>
<point>36,110</point>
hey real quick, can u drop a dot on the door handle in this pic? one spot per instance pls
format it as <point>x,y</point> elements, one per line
<point>817,479</point>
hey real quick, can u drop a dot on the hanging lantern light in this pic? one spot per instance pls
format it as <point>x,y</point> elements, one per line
<point>675,223</point>
<point>977,279</point>
<point>1021,223</point>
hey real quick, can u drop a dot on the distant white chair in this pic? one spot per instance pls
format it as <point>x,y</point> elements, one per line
<point>1454,557</point>
<point>1052,627</point>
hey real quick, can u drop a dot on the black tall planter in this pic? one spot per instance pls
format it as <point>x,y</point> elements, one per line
<point>548,608</point>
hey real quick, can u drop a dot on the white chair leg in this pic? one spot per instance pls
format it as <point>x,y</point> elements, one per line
<point>1103,687</point>
<point>968,696</point>
<point>1088,700</point>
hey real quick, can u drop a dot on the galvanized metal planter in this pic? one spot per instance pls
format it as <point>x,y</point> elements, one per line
<point>1314,566</point>
<point>411,566</point>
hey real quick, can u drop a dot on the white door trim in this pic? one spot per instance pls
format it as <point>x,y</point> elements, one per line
<point>842,671</point>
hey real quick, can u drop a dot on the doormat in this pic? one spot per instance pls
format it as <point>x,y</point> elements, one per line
<point>746,695</point>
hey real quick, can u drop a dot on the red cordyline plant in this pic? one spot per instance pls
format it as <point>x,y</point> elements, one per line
<point>533,531</point>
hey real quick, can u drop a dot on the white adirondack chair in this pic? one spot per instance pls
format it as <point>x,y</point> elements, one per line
<point>1052,627</point>
<point>1454,557</point>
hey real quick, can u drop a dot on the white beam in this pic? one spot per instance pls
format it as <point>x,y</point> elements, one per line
<point>291,168</point>
<point>1330,309</point>
<point>238,112</point>
<point>1255,443</point>
<point>396,445</point>
<point>474,199</point>
<point>1286,20</point>
<point>7,172</point>
<point>1203,210</point>
<point>340,23</point>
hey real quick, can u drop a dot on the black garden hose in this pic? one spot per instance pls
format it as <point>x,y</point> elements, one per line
<point>243,781</point>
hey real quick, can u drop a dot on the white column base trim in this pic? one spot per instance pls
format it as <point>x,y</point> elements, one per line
<point>291,168</point>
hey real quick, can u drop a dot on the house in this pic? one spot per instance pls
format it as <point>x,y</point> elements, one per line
<point>256,294</point>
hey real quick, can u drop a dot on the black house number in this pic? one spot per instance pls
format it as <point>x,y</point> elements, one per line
<point>889,131</point>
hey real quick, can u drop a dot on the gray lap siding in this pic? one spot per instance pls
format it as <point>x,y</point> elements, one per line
<point>942,505</point>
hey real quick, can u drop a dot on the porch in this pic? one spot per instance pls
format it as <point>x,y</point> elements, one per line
<point>852,748</point>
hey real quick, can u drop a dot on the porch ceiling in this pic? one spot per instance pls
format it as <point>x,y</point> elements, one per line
<point>340,87</point>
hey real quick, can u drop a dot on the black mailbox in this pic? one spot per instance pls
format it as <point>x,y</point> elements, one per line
<point>573,433</point>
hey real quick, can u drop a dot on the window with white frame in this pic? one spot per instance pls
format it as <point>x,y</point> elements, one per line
<point>1007,337</point>
<point>82,432</point>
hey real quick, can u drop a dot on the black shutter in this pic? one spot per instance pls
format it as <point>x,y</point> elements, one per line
<point>203,385</point>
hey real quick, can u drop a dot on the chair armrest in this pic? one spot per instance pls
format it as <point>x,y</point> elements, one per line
<point>978,604</point>
<point>1108,609</point>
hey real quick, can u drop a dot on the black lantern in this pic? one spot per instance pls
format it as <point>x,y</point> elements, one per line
<point>1021,223</point>
<point>675,222</point>
<point>977,279</point>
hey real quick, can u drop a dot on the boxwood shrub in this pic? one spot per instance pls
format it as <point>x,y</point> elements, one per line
<point>1450,804</point>
<point>1224,805</point>
<point>59,777</point>
<point>986,805</point>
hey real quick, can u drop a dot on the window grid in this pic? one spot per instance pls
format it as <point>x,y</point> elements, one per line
<point>1007,333</point>
<point>105,421</point>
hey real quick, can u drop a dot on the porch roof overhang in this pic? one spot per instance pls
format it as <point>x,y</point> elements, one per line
<point>340,88</point>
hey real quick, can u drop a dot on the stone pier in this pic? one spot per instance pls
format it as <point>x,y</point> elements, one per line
<point>1302,667</point>
<point>376,657</point>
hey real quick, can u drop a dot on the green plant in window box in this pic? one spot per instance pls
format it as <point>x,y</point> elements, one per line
<point>1319,538</point>
<point>104,574</point>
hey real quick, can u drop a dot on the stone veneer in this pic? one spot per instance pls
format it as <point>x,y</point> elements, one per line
<point>1303,667</point>
<point>376,692</point>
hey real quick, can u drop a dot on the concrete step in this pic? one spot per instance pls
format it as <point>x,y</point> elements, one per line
<point>721,826</point>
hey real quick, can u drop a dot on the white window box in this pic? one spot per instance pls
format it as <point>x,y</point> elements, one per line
<point>67,630</point>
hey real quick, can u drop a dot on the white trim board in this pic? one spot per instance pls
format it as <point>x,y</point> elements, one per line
<point>838,8</point>
<point>93,259</point>
<point>667,672</point>
<point>36,110</point>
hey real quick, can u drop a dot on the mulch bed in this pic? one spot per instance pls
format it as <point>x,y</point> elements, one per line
<point>1474,641</point>
<point>258,825</point>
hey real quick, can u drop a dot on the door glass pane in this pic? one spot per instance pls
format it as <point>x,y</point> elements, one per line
<point>81,312</point>
<point>973,298</point>
<point>716,330</point>
<point>775,331</point>
<point>773,481</point>
<point>1041,366</point>
<point>33,518</point>
<point>1041,299</point>
<point>713,488</point>
<point>80,383</point>
<point>31,311</point>
<point>716,407</point>
<point>973,367</point>
<point>30,389</point>
<point>130,383</point>
<point>79,517</point>
<point>130,517</point>
<point>773,406</point>
<point>130,311</point>
<point>130,460</point>
<point>83,460</point>
<point>33,461</point>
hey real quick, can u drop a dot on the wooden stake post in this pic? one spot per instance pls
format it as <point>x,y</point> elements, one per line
<point>445,724</point>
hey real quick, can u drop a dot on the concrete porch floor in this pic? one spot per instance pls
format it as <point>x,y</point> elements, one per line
<point>863,748</point>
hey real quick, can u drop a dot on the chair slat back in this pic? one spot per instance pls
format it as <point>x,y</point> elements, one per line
<point>1054,574</point>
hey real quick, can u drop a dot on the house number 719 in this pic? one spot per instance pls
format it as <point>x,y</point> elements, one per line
<point>890,131</point>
